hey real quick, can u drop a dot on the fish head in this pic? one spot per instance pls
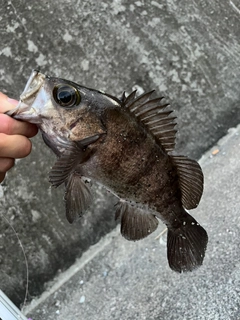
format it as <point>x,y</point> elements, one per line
<point>62,108</point>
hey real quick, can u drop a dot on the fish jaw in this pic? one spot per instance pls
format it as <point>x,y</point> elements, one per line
<point>32,95</point>
<point>24,112</point>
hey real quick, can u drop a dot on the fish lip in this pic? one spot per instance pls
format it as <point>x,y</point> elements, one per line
<point>33,85</point>
<point>24,112</point>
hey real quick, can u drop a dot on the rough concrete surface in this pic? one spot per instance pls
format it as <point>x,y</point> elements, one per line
<point>121,280</point>
<point>37,213</point>
<point>187,50</point>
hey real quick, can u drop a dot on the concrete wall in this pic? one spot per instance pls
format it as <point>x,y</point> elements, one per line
<point>188,51</point>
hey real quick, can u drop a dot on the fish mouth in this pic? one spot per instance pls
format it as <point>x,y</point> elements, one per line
<point>24,110</point>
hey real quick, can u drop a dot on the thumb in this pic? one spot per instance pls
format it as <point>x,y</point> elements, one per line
<point>6,103</point>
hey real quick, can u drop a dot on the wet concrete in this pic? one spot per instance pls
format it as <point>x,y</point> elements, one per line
<point>188,51</point>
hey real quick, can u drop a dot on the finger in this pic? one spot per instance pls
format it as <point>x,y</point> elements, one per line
<point>6,164</point>
<point>2,176</point>
<point>6,103</point>
<point>15,146</point>
<point>10,126</point>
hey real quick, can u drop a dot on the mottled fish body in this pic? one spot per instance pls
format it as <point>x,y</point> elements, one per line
<point>125,145</point>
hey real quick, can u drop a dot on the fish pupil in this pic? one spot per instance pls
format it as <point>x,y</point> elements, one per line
<point>64,96</point>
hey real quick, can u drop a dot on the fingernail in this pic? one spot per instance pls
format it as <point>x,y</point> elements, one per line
<point>12,101</point>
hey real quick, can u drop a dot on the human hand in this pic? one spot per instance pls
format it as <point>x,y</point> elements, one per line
<point>14,136</point>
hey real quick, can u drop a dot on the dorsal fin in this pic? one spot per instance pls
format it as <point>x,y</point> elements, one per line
<point>140,101</point>
<point>129,99</point>
<point>190,179</point>
<point>123,97</point>
<point>152,113</point>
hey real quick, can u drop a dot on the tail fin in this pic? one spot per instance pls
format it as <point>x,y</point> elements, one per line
<point>186,245</point>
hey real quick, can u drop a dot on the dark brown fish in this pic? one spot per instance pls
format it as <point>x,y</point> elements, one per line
<point>125,145</point>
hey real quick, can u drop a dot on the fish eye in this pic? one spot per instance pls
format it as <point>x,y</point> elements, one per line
<point>66,96</point>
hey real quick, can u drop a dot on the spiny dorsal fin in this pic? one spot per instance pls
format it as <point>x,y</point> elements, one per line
<point>123,97</point>
<point>129,99</point>
<point>153,115</point>
<point>190,179</point>
<point>136,223</point>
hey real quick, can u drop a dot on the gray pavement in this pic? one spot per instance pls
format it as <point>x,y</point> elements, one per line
<point>121,280</point>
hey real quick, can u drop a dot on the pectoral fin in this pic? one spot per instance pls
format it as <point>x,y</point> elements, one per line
<point>77,197</point>
<point>136,223</point>
<point>75,154</point>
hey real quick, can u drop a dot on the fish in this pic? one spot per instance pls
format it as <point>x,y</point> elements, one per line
<point>127,146</point>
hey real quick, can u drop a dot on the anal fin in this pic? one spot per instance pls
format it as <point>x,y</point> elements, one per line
<point>136,223</point>
<point>77,197</point>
